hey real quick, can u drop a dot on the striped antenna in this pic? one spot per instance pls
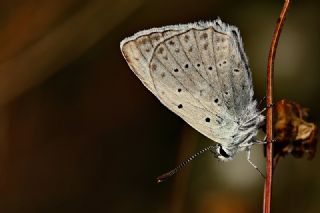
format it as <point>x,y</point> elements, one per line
<point>172,172</point>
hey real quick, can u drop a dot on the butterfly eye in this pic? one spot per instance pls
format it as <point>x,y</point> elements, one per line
<point>223,152</point>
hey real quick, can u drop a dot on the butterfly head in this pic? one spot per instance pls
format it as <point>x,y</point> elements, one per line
<point>223,153</point>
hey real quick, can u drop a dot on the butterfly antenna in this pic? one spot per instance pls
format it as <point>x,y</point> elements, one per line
<point>172,172</point>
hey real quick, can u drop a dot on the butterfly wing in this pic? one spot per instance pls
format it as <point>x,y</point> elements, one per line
<point>199,71</point>
<point>138,50</point>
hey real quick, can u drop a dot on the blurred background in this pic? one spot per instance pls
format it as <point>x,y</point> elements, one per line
<point>80,133</point>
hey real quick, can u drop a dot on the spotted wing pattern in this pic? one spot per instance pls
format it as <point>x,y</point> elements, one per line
<point>199,71</point>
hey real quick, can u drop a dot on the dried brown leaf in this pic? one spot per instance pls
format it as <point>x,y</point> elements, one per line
<point>294,135</point>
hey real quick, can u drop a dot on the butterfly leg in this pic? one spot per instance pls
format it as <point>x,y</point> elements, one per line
<point>253,142</point>
<point>264,141</point>
<point>256,141</point>
<point>252,164</point>
<point>260,142</point>
<point>262,100</point>
<point>267,107</point>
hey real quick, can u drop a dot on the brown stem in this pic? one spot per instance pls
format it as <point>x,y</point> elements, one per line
<point>272,54</point>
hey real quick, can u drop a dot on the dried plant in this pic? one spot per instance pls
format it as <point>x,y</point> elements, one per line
<point>269,121</point>
<point>294,135</point>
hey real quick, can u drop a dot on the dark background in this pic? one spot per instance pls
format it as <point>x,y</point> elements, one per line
<point>80,133</point>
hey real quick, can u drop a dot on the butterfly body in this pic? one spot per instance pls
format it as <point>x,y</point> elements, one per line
<point>201,73</point>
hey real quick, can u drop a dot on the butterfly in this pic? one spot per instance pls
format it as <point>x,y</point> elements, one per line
<point>200,72</point>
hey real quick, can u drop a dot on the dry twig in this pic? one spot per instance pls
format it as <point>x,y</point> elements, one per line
<point>272,53</point>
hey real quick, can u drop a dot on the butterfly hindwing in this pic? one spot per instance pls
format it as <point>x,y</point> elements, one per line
<point>199,71</point>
